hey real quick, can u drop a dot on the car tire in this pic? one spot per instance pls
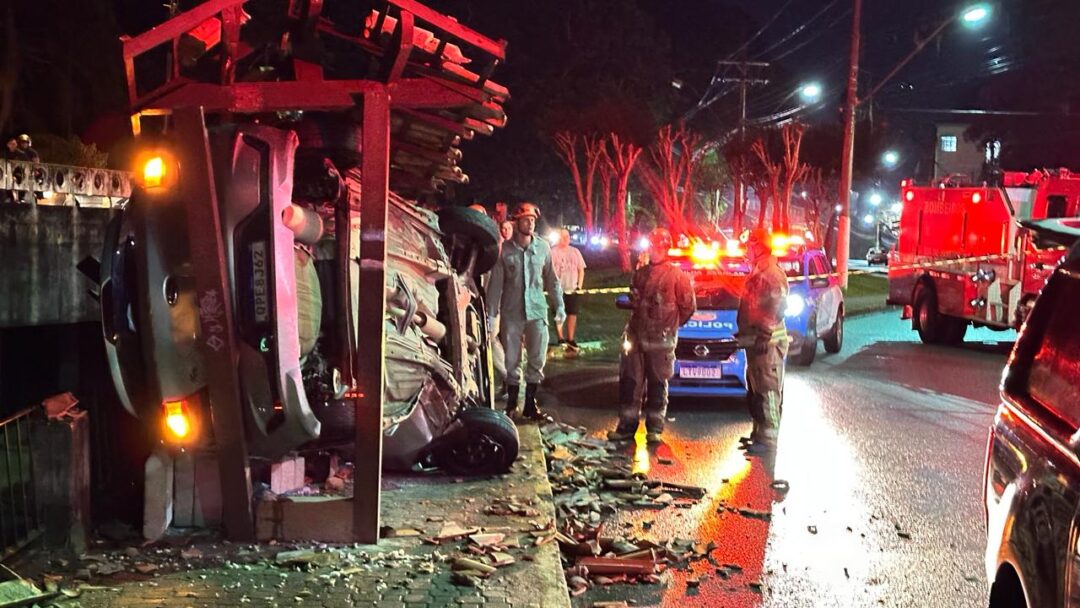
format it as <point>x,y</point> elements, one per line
<point>808,352</point>
<point>487,445</point>
<point>835,340</point>
<point>473,228</point>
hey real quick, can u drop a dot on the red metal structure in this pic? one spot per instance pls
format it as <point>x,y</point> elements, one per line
<point>964,255</point>
<point>404,74</point>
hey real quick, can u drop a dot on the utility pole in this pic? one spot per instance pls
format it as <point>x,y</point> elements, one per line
<point>744,81</point>
<point>847,157</point>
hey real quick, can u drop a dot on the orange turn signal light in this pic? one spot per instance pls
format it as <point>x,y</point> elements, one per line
<point>179,425</point>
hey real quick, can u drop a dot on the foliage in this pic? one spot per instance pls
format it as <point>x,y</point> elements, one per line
<point>69,151</point>
<point>669,173</point>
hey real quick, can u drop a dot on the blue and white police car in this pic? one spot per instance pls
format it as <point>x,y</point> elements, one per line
<point>708,362</point>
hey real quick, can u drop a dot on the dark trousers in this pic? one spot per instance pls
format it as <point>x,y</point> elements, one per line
<point>643,380</point>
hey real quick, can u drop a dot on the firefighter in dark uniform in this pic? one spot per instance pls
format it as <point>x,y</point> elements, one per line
<point>764,336</point>
<point>661,300</point>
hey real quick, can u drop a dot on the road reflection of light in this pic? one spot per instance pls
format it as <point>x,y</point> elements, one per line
<point>641,453</point>
<point>824,477</point>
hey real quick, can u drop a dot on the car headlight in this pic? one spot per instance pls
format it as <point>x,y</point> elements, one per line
<point>795,305</point>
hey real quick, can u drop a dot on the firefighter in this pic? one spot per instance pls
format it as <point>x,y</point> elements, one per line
<point>764,336</point>
<point>661,301</point>
<point>521,275</point>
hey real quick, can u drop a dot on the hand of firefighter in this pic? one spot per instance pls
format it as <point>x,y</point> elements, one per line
<point>490,326</point>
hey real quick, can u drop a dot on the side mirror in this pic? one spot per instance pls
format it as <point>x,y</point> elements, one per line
<point>623,302</point>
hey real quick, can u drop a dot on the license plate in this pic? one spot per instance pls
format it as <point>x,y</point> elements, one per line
<point>259,286</point>
<point>701,372</point>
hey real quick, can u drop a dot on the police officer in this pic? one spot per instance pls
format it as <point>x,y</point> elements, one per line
<point>516,293</point>
<point>764,336</point>
<point>661,300</point>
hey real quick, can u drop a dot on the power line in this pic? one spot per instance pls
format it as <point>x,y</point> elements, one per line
<point>798,30</point>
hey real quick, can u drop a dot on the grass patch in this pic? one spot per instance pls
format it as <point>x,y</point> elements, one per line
<point>866,285</point>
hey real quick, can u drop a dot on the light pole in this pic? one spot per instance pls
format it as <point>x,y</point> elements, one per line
<point>973,16</point>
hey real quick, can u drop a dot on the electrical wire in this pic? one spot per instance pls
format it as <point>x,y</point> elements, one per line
<point>798,30</point>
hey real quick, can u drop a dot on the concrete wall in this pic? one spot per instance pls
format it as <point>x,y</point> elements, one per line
<point>39,248</point>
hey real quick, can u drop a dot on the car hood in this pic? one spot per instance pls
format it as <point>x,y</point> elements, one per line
<point>710,324</point>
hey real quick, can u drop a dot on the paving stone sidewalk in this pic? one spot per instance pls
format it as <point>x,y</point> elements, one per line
<point>401,571</point>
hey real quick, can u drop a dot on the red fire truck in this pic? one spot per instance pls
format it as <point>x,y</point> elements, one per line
<point>972,255</point>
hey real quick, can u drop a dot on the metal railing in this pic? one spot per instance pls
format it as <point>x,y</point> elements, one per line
<point>25,181</point>
<point>19,520</point>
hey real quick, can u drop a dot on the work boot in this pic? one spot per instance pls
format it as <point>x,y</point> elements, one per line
<point>511,399</point>
<point>532,412</point>
<point>623,432</point>
<point>654,437</point>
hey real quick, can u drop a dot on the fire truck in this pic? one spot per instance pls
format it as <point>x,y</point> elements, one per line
<point>973,255</point>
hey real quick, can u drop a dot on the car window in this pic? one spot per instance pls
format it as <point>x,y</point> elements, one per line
<point>1054,379</point>
<point>791,267</point>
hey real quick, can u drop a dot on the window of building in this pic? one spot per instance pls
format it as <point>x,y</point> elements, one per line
<point>948,143</point>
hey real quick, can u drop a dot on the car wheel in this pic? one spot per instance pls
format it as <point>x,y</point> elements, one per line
<point>488,444</point>
<point>809,344</point>
<point>467,230</point>
<point>835,340</point>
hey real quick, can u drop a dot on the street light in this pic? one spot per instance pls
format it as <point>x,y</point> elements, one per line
<point>976,15</point>
<point>875,199</point>
<point>868,219</point>
<point>973,16</point>
<point>890,159</point>
<point>810,92</point>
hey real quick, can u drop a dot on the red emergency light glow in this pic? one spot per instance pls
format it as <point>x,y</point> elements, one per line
<point>909,195</point>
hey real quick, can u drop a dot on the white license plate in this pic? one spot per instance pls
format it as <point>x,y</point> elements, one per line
<point>701,372</point>
<point>260,288</point>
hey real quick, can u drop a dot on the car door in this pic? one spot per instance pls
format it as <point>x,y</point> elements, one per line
<point>820,294</point>
<point>1044,401</point>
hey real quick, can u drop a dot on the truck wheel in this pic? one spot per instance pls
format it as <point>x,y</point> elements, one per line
<point>466,228</point>
<point>955,330</point>
<point>835,340</point>
<point>931,324</point>
<point>487,446</point>
<point>809,343</point>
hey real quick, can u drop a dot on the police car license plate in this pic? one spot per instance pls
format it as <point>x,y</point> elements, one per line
<point>260,288</point>
<point>701,372</point>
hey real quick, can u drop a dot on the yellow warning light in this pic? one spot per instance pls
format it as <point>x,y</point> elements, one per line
<point>177,421</point>
<point>154,172</point>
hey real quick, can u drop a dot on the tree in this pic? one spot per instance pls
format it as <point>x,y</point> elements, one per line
<point>766,182</point>
<point>713,176</point>
<point>819,202</point>
<point>792,170</point>
<point>668,174</point>
<point>608,174</point>
<point>623,157</point>
<point>592,147</point>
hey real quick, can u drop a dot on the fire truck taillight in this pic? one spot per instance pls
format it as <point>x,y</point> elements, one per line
<point>909,196</point>
<point>976,198</point>
<point>178,421</point>
<point>154,172</point>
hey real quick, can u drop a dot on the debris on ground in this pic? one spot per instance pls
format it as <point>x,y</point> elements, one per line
<point>592,484</point>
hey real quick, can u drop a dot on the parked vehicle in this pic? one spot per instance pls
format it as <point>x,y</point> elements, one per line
<point>963,256</point>
<point>708,362</point>
<point>877,255</point>
<point>1032,480</point>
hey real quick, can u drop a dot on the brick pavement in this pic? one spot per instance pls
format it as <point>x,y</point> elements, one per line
<point>400,571</point>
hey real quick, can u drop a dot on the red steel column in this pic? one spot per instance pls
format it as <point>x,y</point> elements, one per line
<point>370,320</point>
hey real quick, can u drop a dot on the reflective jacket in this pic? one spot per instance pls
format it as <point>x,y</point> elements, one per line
<point>761,308</point>
<point>518,282</point>
<point>661,300</point>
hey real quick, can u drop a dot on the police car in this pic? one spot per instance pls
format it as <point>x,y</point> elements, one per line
<point>708,362</point>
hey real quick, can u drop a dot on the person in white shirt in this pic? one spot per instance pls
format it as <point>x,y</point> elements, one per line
<point>570,268</point>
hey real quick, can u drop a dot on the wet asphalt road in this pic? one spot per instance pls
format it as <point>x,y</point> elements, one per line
<point>882,441</point>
